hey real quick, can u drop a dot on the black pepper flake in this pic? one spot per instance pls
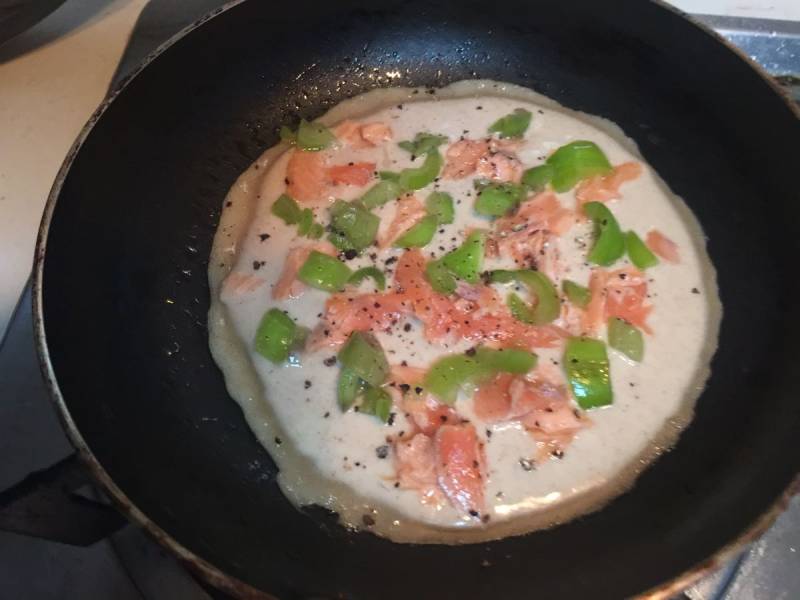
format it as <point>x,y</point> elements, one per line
<point>307,383</point>
<point>695,291</point>
<point>278,440</point>
<point>368,520</point>
<point>263,236</point>
<point>330,361</point>
<point>404,387</point>
<point>326,415</point>
<point>390,260</point>
<point>526,464</point>
<point>257,264</point>
<point>397,484</point>
<point>485,518</point>
<point>471,351</point>
<point>382,451</point>
<point>558,453</point>
<point>286,181</point>
<point>407,327</point>
<point>474,513</point>
<point>229,203</point>
<point>390,421</point>
<point>488,433</point>
<point>479,107</point>
<point>418,390</point>
<point>350,254</point>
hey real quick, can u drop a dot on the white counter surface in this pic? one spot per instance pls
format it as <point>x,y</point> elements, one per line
<point>53,76</point>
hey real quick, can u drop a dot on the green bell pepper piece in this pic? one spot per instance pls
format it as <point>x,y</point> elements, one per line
<point>440,205</point>
<point>376,401</point>
<point>497,199</point>
<point>577,294</point>
<point>441,280</point>
<point>626,338</point>
<point>313,136</point>
<point>513,125</point>
<point>537,178</point>
<point>547,306</point>
<point>316,231</point>
<point>324,272</point>
<point>418,235</point>
<point>305,222</point>
<point>275,335</point>
<point>363,355</point>
<point>638,252</point>
<point>286,209</point>
<point>466,261</point>
<point>609,243</point>
<point>381,193</point>
<point>588,372</point>
<point>507,360</point>
<point>576,161</point>
<point>373,272</point>
<point>353,227</point>
<point>349,387</point>
<point>417,178</point>
<point>423,143</point>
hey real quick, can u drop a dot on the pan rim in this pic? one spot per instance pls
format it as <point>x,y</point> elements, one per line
<point>207,571</point>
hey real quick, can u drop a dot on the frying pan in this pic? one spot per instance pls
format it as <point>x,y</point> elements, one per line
<point>121,294</point>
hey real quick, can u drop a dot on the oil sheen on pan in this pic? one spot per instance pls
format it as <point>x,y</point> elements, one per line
<point>459,314</point>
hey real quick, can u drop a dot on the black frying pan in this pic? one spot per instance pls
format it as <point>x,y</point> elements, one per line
<point>121,291</point>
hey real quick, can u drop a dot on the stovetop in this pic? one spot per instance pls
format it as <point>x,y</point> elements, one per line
<point>128,566</point>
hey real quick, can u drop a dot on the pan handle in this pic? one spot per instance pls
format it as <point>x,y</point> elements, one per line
<point>47,504</point>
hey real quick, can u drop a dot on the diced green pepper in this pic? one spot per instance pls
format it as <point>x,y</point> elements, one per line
<point>466,261</point>
<point>388,176</point>
<point>286,209</point>
<point>373,272</point>
<point>452,373</point>
<point>287,135</point>
<point>512,125</point>
<point>441,280</point>
<point>275,335</point>
<point>576,161</point>
<point>588,372</point>
<point>313,136</point>
<point>626,338</point>
<point>316,231</point>
<point>363,355</point>
<point>381,193</point>
<point>349,387</point>
<point>440,205</point>
<point>577,294</point>
<point>324,272</point>
<point>376,401</point>
<point>418,178</point>
<point>418,235</point>
<point>449,374</point>
<point>497,199</point>
<point>508,360</point>
<point>305,222</point>
<point>537,178</point>
<point>638,252</point>
<point>353,227</point>
<point>547,306</point>
<point>423,143</point>
<point>609,243</point>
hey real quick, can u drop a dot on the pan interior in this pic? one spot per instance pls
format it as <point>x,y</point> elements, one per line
<point>125,295</point>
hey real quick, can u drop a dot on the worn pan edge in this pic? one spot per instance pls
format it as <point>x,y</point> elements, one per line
<point>208,572</point>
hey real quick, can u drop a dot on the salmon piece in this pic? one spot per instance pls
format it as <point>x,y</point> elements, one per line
<point>238,284</point>
<point>604,188</point>
<point>626,297</point>
<point>357,135</point>
<point>288,286</point>
<point>536,248</point>
<point>542,211</point>
<point>358,174</point>
<point>408,212</point>
<point>307,178</point>
<point>415,464</point>
<point>596,309</point>
<point>492,400</point>
<point>460,467</point>
<point>621,293</point>
<point>461,158</point>
<point>499,166</point>
<point>376,133</point>
<point>426,412</point>
<point>662,246</point>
